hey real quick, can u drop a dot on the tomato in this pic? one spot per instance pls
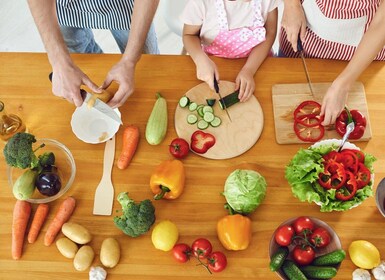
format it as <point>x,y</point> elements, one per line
<point>201,248</point>
<point>303,224</point>
<point>303,255</point>
<point>179,148</point>
<point>284,235</point>
<point>181,252</point>
<point>217,261</point>
<point>320,237</point>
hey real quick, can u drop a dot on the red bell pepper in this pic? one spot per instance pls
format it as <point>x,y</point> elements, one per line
<point>307,113</point>
<point>201,141</point>
<point>332,156</point>
<point>362,176</point>
<point>346,117</point>
<point>349,190</point>
<point>308,133</point>
<point>333,176</point>
<point>350,161</point>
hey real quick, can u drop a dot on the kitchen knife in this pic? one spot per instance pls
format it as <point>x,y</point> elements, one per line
<point>216,87</point>
<point>300,49</point>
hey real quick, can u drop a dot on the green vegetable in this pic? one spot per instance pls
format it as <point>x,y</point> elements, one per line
<point>229,100</point>
<point>184,101</point>
<point>46,159</point>
<point>211,101</point>
<point>334,257</point>
<point>157,123</point>
<point>137,218</point>
<point>245,190</point>
<point>278,258</point>
<point>319,272</point>
<point>25,185</point>
<point>292,271</point>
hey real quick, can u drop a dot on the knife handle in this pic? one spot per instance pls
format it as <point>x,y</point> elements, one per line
<point>83,93</point>
<point>299,45</point>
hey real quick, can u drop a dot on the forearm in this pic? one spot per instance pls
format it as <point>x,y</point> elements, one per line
<point>193,47</point>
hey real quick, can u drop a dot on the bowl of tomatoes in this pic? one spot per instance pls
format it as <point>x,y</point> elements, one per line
<point>305,246</point>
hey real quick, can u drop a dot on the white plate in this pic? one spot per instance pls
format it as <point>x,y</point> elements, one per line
<point>92,126</point>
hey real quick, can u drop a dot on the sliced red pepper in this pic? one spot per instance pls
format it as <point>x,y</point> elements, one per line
<point>359,123</point>
<point>359,154</point>
<point>309,120</point>
<point>332,156</point>
<point>363,176</point>
<point>350,161</point>
<point>349,190</point>
<point>333,176</point>
<point>307,133</point>
<point>201,141</point>
<point>306,108</point>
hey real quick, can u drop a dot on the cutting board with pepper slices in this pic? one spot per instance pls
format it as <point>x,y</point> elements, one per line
<point>286,98</point>
<point>233,138</point>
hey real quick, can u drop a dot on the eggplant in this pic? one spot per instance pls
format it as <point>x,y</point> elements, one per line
<point>48,182</point>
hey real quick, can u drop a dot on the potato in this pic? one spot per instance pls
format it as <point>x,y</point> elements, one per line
<point>83,258</point>
<point>110,252</point>
<point>67,247</point>
<point>77,233</point>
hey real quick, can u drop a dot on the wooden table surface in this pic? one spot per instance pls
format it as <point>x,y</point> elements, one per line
<point>25,89</point>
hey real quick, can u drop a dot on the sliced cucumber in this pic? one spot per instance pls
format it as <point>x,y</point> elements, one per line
<point>216,122</point>
<point>200,111</point>
<point>184,101</point>
<point>208,109</point>
<point>202,124</point>
<point>210,101</point>
<point>229,100</point>
<point>191,119</point>
<point>208,117</point>
<point>193,106</point>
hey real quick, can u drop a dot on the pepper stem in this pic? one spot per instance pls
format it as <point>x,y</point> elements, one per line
<point>160,195</point>
<point>350,118</point>
<point>231,210</point>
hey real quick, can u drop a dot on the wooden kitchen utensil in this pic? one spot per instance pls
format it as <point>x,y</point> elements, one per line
<point>104,195</point>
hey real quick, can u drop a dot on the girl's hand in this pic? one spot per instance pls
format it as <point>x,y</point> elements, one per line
<point>245,83</point>
<point>294,22</point>
<point>334,102</point>
<point>206,70</point>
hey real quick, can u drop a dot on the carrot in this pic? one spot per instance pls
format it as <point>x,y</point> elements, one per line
<point>62,216</point>
<point>21,214</point>
<point>130,142</point>
<point>37,222</point>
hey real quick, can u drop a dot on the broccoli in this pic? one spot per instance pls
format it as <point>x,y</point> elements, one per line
<point>137,218</point>
<point>47,159</point>
<point>18,151</point>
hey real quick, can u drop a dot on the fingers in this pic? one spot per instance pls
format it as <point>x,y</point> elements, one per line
<point>87,81</point>
<point>246,89</point>
<point>107,82</point>
<point>120,96</point>
<point>302,33</point>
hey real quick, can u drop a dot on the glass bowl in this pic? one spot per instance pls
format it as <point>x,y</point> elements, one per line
<point>64,162</point>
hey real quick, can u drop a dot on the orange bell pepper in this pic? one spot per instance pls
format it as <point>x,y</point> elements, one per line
<point>167,181</point>
<point>234,232</point>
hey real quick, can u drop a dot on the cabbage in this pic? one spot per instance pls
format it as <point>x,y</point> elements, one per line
<point>245,190</point>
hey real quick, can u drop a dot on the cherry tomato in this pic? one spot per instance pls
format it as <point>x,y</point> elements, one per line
<point>303,255</point>
<point>320,237</point>
<point>284,235</point>
<point>303,223</point>
<point>217,261</point>
<point>201,248</point>
<point>179,148</point>
<point>181,252</point>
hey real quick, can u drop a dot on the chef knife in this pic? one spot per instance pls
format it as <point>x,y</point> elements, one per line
<point>300,49</point>
<point>216,87</point>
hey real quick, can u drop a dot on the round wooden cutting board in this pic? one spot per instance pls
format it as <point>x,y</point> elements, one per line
<point>233,138</point>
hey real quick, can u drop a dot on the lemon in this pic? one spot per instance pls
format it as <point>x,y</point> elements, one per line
<point>364,254</point>
<point>164,235</point>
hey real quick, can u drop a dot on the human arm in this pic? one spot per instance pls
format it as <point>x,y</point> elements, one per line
<point>371,43</point>
<point>294,21</point>
<point>123,71</point>
<point>67,77</point>
<point>245,79</point>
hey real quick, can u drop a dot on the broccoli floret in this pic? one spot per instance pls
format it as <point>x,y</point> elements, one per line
<point>137,218</point>
<point>18,151</point>
<point>47,159</point>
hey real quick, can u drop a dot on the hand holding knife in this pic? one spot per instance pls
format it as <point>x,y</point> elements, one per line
<point>216,87</point>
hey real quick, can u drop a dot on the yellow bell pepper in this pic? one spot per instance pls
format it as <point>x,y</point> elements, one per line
<point>234,232</point>
<point>167,181</point>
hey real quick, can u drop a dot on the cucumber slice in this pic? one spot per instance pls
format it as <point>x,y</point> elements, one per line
<point>210,101</point>
<point>216,122</point>
<point>208,109</point>
<point>202,124</point>
<point>208,116</point>
<point>184,101</point>
<point>193,106</point>
<point>200,111</point>
<point>191,119</point>
<point>229,100</point>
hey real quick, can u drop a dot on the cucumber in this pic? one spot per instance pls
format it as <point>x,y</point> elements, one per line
<point>184,101</point>
<point>319,272</point>
<point>278,258</point>
<point>156,127</point>
<point>216,122</point>
<point>229,100</point>
<point>191,119</point>
<point>25,185</point>
<point>208,117</point>
<point>202,124</point>
<point>208,109</point>
<point>334,257</point>
<point>210,101</point>
<point>292,271</point>
<point>200,110</point>
<point>192,106</point>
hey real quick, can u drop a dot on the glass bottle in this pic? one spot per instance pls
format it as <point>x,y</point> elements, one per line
<point>10,124</point>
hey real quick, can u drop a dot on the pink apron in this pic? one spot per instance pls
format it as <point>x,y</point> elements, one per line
<point>237,43</point>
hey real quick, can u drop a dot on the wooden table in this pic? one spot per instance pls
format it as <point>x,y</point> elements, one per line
<point>25,89</point>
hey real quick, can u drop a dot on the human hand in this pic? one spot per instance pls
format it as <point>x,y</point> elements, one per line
<point>207,70</point>
<point>122,73</point>
<point>245,83</point>
<point>294,22</point>
<point>334,102</point>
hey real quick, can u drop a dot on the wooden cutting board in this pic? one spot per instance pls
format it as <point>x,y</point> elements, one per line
<point>286,97</point>
<point>232,138</point>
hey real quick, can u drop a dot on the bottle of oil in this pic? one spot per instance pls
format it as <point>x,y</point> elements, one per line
<point>10,124</point>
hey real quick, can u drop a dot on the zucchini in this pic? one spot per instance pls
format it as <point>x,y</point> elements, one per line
<point>193,106</point>
<point>216,122</point>
<point>202,124</point>
<point>229,100</point>
<point>191,119</point>
<point>184,101</point>
<point>210,101</point>
<point>156,127</point>
<point>292,271</point>
<point>208,117</point>
<point>319,272</point>
<point>334,257</point>
<point>278,258</point>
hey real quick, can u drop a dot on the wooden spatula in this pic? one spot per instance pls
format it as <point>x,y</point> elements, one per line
<point>104,195</point>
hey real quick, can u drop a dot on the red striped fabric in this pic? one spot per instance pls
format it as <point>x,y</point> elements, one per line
<point>316,47</point>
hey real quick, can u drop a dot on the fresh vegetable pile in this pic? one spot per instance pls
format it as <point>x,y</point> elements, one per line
<point>337,181</point>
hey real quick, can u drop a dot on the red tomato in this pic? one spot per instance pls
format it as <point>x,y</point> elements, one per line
<point>201,248</point>
<point>179,148</point>
<point>303,255</point>
<point>181,252</point>
<point>320,237</point>
<point>284,235</point>
<point>303,223</point>
<point>217,261</point>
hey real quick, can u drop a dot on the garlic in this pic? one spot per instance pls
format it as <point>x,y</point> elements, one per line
<point>361,274</point>
<point>97,273</point>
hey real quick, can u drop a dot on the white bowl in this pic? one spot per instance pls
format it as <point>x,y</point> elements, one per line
<point>380,197</point>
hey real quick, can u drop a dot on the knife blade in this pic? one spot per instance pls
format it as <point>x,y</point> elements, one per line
<point>300,49</point>
<point>216,87</point>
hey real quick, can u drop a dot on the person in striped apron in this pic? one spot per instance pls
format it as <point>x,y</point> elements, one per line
<point>66,26</point>
<point>335,30</point>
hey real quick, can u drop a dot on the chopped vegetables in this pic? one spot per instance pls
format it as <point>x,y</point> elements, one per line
<point>201,142</point>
